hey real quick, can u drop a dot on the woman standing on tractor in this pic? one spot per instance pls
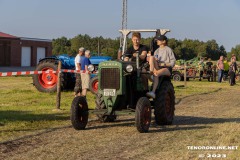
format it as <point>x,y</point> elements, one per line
<point>161,63</point>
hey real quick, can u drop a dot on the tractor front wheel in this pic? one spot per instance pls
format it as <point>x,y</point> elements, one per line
<point>79,113</point>
<point>143,115</point>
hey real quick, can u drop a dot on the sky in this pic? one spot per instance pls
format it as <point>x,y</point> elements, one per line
<point>193,19</point>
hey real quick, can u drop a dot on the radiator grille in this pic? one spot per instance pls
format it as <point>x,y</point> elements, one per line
<point>110,78</point>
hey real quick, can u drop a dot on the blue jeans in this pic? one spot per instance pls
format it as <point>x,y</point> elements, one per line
<point>220,75</point>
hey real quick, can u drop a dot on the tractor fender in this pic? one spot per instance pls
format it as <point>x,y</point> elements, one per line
<point>49,58</point>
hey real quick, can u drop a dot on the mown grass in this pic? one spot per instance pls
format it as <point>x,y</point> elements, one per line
<point>24,110</point>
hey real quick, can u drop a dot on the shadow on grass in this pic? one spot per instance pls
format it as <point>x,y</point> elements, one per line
<point>179,123</point>
<point>11,116</point>
<point>177,101</point>
<point>190,120</point>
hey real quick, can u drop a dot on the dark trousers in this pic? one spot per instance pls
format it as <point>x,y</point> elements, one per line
<point>232,77</point>
<point>201,75</point>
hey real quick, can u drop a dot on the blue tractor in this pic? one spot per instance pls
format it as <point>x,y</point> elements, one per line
<point>47,82</point>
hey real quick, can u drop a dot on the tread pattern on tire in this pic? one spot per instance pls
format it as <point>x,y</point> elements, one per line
<point>159,103</point>
<point>142,102</point>
<point>79,113</point>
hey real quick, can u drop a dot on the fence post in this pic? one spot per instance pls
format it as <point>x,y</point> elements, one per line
<point>58,99</point>
<point>185,74</point>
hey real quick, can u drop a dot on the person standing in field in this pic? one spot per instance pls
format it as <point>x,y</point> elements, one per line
<point>85,76</point>
<point>209,65</point>
<point>78,84</point>
<point>201,66</point>
<point>226,68</point>
<point>220,67</point>
<point>232,70</point>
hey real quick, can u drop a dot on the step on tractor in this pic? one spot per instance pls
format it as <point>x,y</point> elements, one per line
<point>47,82</point>
<point>122,91</point>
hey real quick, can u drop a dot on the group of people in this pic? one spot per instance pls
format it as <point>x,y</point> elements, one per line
<point>161,62</point>
<point>82,79</point>
<point>225,67</point>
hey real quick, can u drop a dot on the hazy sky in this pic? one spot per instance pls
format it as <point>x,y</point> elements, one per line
<point>193,19</point>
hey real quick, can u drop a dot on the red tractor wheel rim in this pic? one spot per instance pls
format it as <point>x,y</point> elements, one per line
<point>147,115</point>
<point>47,80</point>
<point>95,86</point>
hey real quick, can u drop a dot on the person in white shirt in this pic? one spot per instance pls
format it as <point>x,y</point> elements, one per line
<point>78,84</point>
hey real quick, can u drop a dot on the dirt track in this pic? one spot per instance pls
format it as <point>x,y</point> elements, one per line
<point>208,119</point>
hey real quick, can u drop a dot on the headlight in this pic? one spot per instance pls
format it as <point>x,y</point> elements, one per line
<point>129,68</point>
<point>90,68</point>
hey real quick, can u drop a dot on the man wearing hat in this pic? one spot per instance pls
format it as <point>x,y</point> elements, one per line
<point>161,63</point>
<point>78,84</point>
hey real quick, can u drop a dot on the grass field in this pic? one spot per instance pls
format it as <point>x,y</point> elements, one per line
<point>24,110</point>
<point>201,119</point>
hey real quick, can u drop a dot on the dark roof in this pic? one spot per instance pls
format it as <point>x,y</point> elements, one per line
<point>5,35</point>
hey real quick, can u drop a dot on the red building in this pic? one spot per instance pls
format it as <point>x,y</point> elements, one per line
<point>20,51</point>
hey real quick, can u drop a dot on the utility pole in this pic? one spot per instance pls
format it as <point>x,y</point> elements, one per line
<point>124,18</point>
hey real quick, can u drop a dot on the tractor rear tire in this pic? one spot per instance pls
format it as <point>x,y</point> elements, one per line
<point>93,85</point>
<point>46,82</point>
<point>79,113</point>
<point>164,104</point>
<point>143,115</point>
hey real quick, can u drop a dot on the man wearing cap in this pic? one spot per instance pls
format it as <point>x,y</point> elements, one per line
<point>161,63</point>
<point>78,84</point>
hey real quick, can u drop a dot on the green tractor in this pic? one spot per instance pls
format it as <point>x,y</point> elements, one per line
<point>122,90</point>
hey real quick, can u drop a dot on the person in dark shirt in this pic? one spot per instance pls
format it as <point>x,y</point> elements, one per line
<point>209,68</point>
<point>232,70</point>
<point>131,52</point>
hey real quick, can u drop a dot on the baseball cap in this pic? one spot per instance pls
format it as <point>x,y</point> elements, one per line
<point>161,38</point>
<point>81,49</point>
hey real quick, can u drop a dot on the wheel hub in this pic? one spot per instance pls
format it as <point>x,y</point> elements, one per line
<point>47,80</point>
<point>49,77</point>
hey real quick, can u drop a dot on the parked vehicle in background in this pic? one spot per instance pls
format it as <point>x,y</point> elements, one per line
<point>192,70</point>
<point>47,82</point>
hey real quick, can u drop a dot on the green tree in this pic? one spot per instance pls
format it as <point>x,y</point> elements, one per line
<point>236,51</point>
<point>61,45</point>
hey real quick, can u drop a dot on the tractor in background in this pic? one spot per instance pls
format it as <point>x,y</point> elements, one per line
<point>47,82</point>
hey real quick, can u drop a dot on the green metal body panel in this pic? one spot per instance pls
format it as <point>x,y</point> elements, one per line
<point>114,103</point>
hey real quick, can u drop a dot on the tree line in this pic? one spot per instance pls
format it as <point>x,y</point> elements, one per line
<point>184,49</point>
